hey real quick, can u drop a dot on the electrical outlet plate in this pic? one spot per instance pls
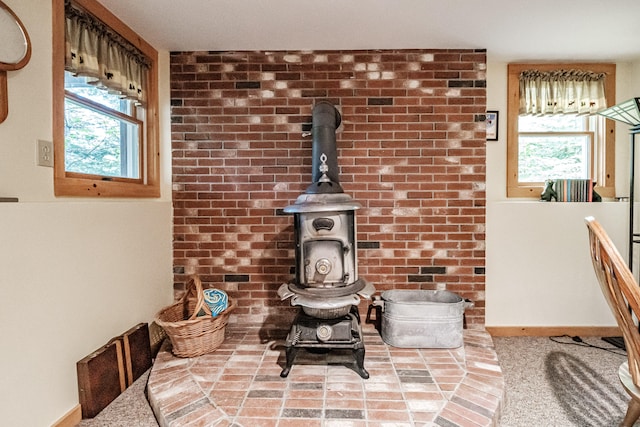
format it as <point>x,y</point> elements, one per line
<point>44,153</point>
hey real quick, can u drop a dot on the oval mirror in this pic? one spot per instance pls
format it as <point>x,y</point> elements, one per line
<point>15,48</point>
<point>15,51</point>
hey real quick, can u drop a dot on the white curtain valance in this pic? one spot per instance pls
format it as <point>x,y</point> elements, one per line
<point>95,51</point>
<point>561,92</point>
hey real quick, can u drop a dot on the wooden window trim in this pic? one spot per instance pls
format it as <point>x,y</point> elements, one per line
<point>70,184</point>
<point>605,156</point>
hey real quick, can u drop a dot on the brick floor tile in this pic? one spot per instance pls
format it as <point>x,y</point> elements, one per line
<point>256,422</point>
<point>391,405</point>
<point>259,411</point>
<point>304,403</point>
<point>346,403</point>
<point>296,422</point>
<point>240,385</point>
<point>344,423</point>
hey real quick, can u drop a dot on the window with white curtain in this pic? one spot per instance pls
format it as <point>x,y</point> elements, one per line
<point>105,102</point>
<point>553,129</point>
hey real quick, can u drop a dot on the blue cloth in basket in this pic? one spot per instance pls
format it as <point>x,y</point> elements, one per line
<point>216,300</point>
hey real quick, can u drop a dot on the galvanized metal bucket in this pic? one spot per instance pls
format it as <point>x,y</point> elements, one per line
<point>422,318</point>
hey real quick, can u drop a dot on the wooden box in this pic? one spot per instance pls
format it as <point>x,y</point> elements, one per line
<point>101,378</point>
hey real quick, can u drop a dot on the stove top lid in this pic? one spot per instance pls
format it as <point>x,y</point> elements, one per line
<point>331,202</point>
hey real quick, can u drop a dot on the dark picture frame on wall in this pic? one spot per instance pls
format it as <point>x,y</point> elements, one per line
<point>491,121</point>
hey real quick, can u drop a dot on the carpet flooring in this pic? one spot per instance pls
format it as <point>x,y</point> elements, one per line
<point>130,409</point>
<point>549,383</point>
<point>560,383</point>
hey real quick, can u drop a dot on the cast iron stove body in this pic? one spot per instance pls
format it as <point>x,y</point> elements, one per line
<point>326,285</point>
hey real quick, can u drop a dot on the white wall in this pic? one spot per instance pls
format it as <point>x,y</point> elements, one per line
<point>73,272</point>
<point>539,272</point>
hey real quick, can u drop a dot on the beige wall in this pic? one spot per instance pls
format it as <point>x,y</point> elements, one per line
<point>539,271</point>
<point>73,272</point>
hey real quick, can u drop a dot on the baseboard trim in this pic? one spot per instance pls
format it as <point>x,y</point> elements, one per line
<point>71,418</point>
<point>552,331</point>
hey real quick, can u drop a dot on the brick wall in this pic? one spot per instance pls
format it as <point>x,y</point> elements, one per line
<point>411,149</point>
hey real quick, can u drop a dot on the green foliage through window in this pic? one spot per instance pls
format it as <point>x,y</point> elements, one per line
<point>101,136</point>
<point>554,147</point>
<point>542,158</point>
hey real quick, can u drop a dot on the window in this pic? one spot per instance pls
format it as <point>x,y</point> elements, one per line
<point>105,105</point>
<point>558,146</point>
<point>555,147</point>
<point>102,131</point>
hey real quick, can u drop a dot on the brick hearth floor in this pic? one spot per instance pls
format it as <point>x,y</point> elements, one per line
<point>239,385</point>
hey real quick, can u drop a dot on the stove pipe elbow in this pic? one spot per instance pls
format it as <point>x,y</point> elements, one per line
<point>325,121</point>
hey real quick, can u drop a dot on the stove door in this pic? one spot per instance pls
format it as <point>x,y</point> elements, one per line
<point>324,263</point>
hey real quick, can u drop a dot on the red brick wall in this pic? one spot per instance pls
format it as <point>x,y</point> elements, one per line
<point>411,149</point>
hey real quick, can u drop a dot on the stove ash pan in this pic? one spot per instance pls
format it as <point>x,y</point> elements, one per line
<point>422,318</point>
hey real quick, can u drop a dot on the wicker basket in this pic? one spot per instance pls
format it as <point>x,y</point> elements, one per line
<point>193,335</point>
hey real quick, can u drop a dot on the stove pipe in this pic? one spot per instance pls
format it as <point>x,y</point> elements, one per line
<point>324,156</point>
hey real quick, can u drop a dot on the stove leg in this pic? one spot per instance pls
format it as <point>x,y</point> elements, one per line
<point>290,353</point>
<point>359,356</point>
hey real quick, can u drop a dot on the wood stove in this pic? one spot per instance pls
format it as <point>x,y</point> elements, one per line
<point>326,285</point>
